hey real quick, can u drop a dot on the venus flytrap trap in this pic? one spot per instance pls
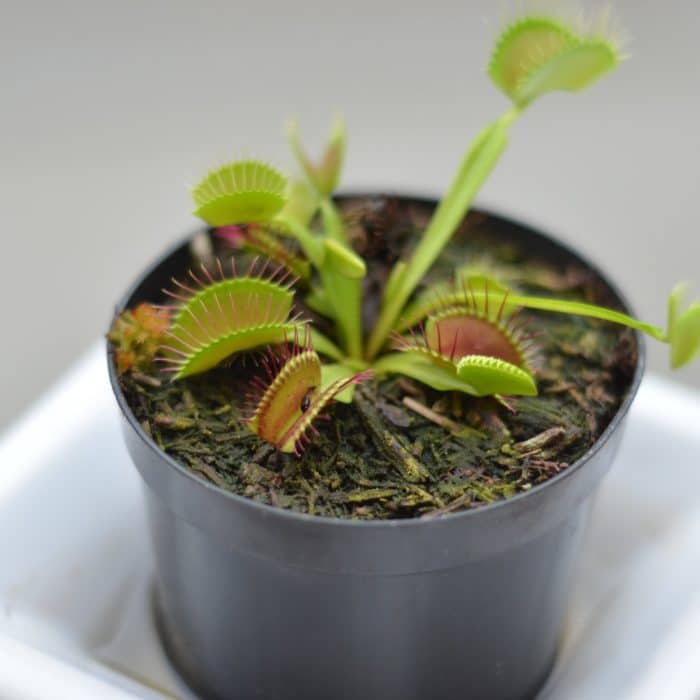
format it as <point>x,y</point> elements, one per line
<point>215,318</point>
<point>282,408</point>
<point>477,342</point>
<point>462,335</point>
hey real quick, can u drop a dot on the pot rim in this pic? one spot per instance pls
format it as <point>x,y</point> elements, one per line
<point>514,502</point>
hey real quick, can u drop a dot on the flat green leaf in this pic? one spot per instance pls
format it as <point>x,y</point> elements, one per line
<point>302,202</point>
<point>318,301</point>
<point>333,226</point>
<point>345,261</point>
<point>394,281</point>
<point>324,345</point>
<point>334,372</point>
<point>310,243</point>
<point>418,367</point>
<point>341,275</point>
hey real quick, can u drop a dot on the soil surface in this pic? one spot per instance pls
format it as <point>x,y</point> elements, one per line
<point>403,450</point>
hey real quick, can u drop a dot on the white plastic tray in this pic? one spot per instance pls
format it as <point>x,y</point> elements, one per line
<point>75,561</point>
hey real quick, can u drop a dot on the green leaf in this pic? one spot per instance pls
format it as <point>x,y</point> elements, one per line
<point>240,192</point>
<point>490,376</point>
<point>341,274</point>
<point>343,296</point>
<point>325,174</point>
<point>474,375</point>
<point>310,244</point>
<point>324,345</point>
<point>395,276</point>
<point>576,308</point>
<point>344,260</point>
<point>334,372</point>
<point>332,221</point>
<point>476,166</point>
<point>302,202</point>
<point>317,300</point>
<point>418,367</point>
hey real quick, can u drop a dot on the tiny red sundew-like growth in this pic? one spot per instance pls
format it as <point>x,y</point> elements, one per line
<point>137,336</point>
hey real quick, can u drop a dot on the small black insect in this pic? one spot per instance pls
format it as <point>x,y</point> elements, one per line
<point>306,401</point>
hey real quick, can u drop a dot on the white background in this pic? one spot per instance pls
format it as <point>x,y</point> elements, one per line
<point>109,110</point>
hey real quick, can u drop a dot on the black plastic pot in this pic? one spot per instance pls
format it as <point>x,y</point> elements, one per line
<point>259,602</point>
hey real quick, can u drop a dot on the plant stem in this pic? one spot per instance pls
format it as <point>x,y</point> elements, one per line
<point>580,308</point>
<point>333,222</point>
<point>344,294</point>
<point>324,346</point>
<point>477,164</point>
<point>312,247</point>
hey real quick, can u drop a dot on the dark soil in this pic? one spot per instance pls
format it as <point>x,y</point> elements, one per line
<point>379,458</point>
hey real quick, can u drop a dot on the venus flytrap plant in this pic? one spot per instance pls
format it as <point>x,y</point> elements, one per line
<point>462,334</point>
<point>533,56</point>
